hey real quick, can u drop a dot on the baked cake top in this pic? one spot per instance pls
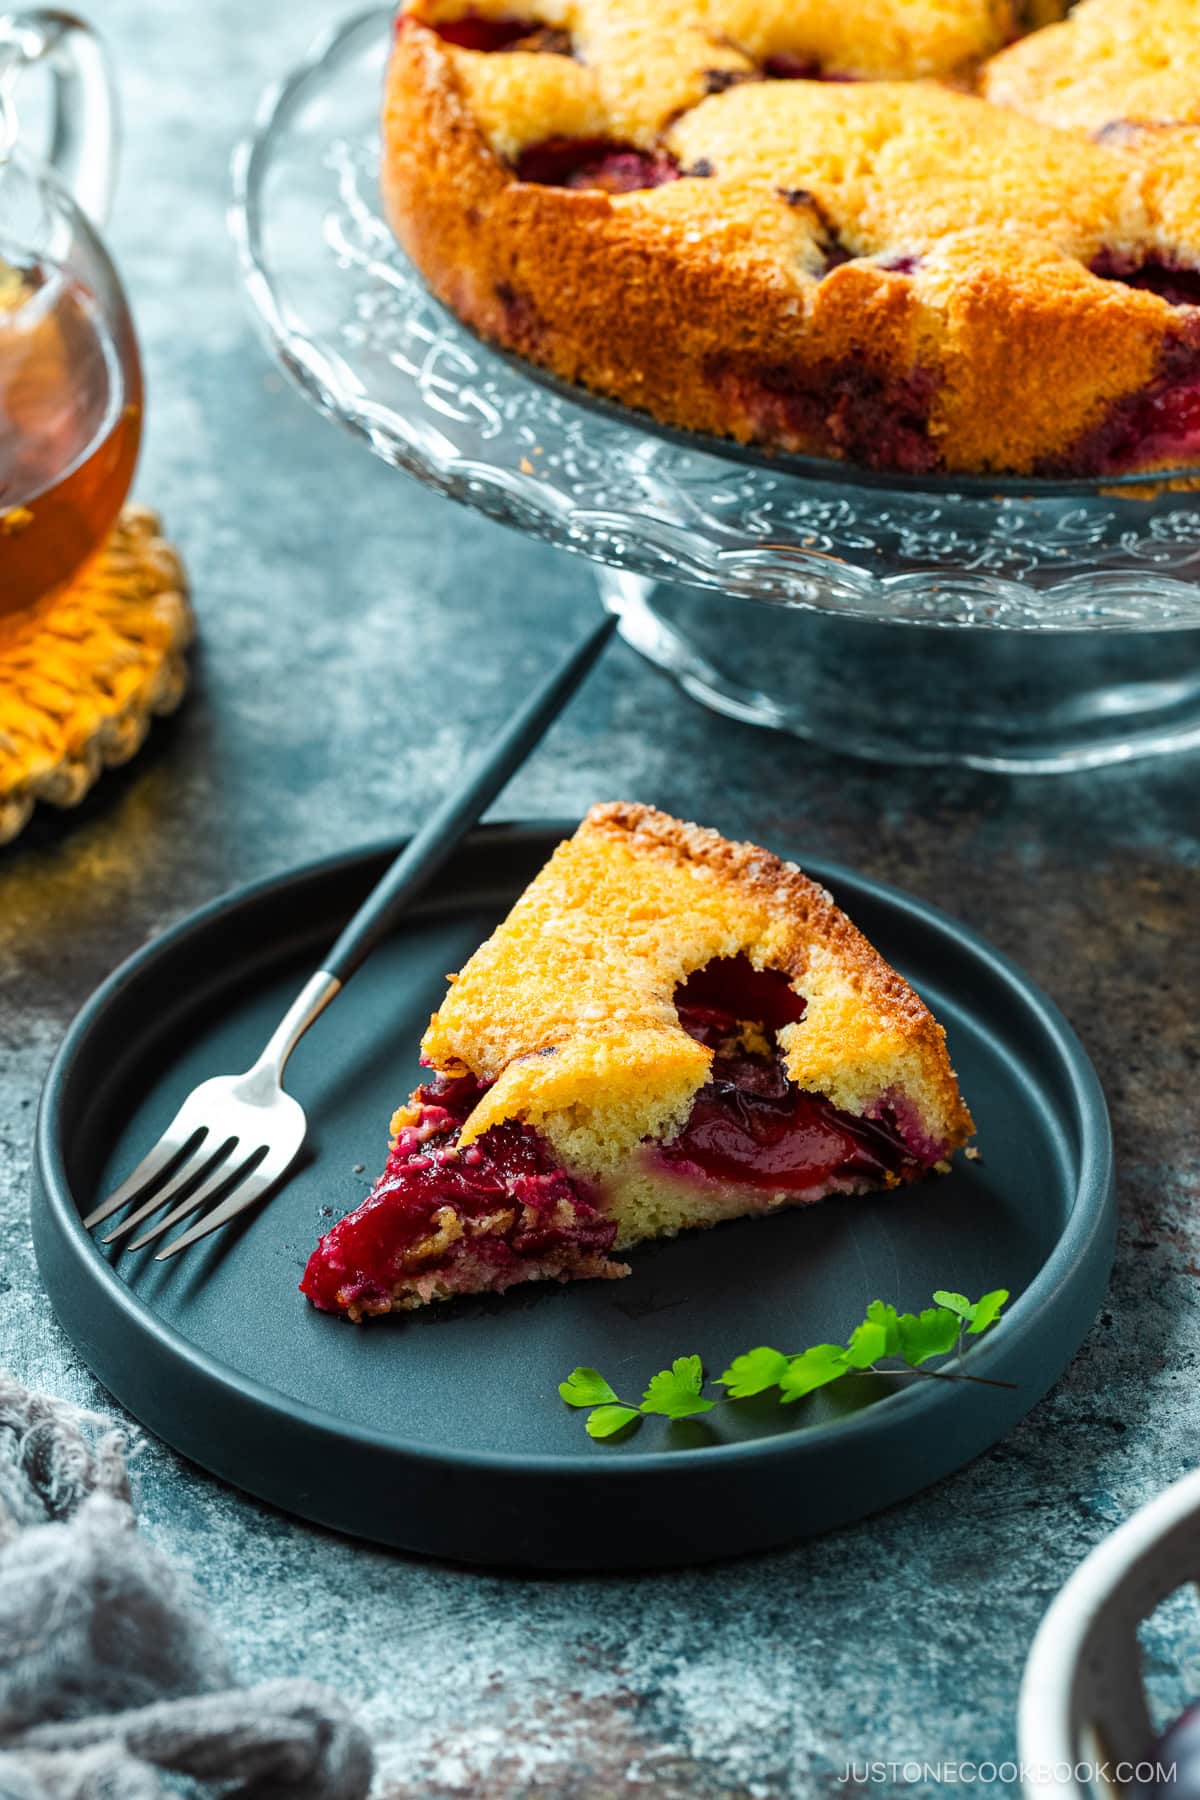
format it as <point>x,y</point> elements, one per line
<point>887,168</point>
<point>568,1007</point>
<point>880,229</point>
<point>1111,62</point>
<point>625,68</point>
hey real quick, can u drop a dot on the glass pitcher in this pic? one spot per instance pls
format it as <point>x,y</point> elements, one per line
<point>70,377</point>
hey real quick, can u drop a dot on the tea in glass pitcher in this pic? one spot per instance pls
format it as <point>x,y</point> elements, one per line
<point>70,379</point>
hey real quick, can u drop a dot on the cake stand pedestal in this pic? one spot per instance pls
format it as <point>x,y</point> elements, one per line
<point>911,693</point>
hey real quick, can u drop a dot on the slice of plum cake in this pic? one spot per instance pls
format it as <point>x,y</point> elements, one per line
<point>668,1030</point>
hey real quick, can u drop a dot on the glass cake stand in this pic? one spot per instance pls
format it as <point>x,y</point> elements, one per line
<point>1026,626</point>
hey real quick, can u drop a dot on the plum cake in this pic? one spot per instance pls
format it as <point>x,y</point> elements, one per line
<point>668,1030</point>
<point>920,235</point>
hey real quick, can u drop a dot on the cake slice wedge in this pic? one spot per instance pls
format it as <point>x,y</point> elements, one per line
<point>668,1030</point>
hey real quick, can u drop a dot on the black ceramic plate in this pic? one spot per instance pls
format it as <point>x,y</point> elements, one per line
<point>442,1431</point>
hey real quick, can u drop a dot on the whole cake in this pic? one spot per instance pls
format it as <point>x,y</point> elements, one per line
<point>668,1030</point>
<point>921,235</point>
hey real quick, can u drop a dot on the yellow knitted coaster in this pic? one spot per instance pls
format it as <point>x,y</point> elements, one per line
<point>83,672</point>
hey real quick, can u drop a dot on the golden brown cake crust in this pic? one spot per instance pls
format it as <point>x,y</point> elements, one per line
<point>1111,62</point>
<point>568,1008</point>
<point>966,331</point>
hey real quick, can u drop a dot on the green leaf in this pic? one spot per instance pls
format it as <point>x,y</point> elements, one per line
<point>868,1342</point>
<point>754,1372</point>
<point>977,1314</point>
<point>585,1387</point>
<point>678,1392</point>
<point>880,1313</point>
<point>607,1419</point>
<point>933,1332</point>
<point>987,1310</point>
<point>813,1369</point>
<point>675,1392</point>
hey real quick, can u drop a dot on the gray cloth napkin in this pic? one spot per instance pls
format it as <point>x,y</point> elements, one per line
<point>112,1684</point>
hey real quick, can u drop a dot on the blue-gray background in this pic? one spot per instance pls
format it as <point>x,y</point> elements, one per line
<point>357,634</point>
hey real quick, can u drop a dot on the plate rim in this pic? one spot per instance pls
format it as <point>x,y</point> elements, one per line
<point>1085,1223</point>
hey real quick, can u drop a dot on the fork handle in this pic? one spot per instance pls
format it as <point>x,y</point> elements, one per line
<point>444,830</point>
<point>430,848</point>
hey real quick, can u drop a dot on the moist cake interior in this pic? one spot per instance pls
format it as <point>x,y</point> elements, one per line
<point>444,1219</point>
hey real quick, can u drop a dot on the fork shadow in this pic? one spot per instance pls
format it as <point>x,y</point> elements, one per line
<point>195,1267</point>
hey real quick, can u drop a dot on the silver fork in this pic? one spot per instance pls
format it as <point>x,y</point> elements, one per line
<point>243,1131</point>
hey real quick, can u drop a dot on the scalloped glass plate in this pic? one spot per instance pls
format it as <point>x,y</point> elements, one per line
<point>353,323</point>
<point>695,536</point>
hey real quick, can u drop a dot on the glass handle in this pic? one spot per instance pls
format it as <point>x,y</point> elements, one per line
<point>83,129</point>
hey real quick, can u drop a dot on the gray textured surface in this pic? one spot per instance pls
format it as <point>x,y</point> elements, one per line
<point>355,634</point>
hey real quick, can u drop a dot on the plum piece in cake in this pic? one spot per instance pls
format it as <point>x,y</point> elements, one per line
<point>668,1030</point>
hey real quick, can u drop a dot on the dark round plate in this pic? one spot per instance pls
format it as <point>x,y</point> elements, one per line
<point>442,1431</point>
